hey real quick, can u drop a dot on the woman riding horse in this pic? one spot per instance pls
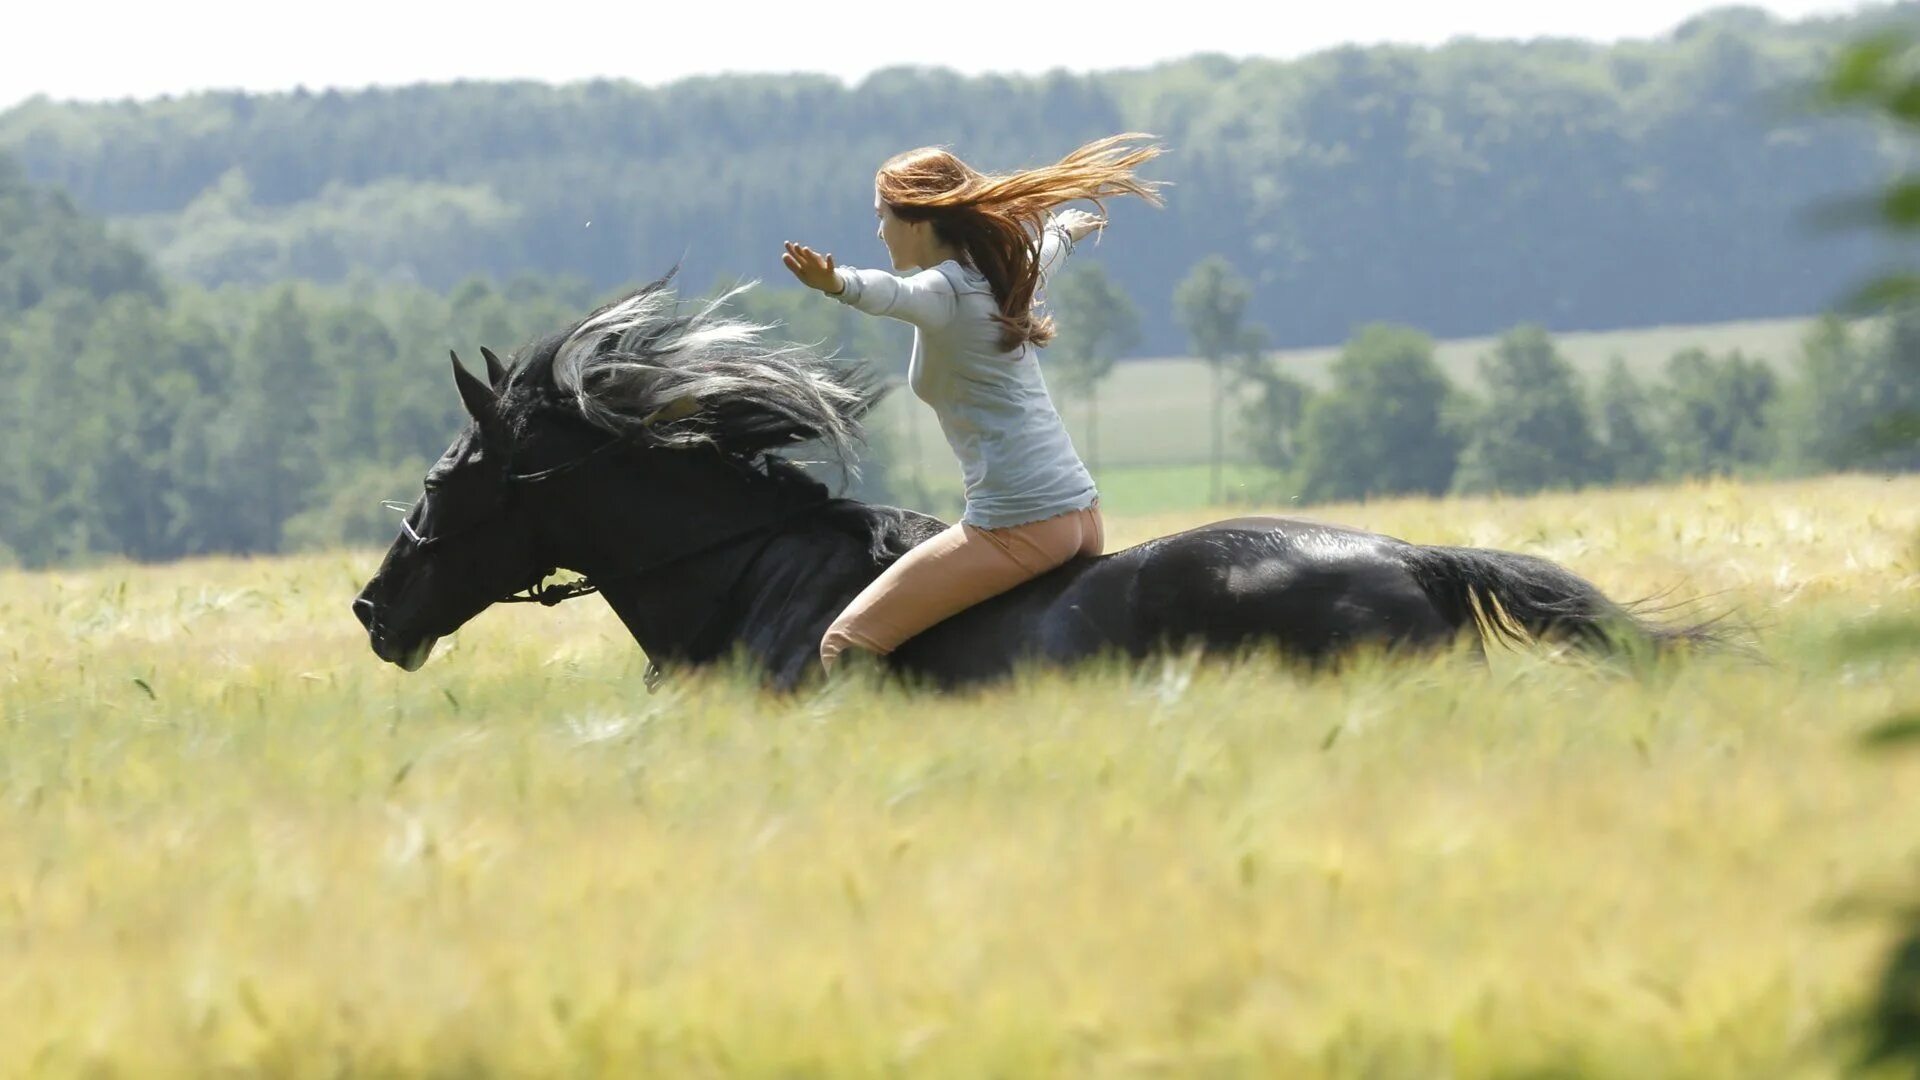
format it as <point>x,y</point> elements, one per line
<point>982,247</point>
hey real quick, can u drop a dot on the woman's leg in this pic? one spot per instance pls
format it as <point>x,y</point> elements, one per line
<point>952,572</point>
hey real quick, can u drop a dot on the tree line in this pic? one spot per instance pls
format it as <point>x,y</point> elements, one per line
<point>1461,189</point>
<point>155,420</point>
<point>1391,422</point>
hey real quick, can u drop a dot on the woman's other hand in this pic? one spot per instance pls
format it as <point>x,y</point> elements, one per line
<point>1079,223</point>
<point>814,269</point>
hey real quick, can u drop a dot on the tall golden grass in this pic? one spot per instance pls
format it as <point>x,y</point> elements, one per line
<point>235,843</point>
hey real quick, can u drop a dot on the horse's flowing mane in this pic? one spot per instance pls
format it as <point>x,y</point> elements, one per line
<point>660,370</point>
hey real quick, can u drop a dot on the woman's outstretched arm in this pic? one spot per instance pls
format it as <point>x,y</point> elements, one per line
<point>926,299</point>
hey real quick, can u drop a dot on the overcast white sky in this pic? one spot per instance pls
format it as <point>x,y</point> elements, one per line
<point>144,48</point>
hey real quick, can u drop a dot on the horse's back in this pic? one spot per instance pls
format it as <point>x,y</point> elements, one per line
<point>1292,528</point>
<point>1308,587</point>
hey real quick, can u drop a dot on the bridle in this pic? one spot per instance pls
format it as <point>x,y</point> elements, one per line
<point>508,480</point>
<point>511,481</point>
<point>552,595</point>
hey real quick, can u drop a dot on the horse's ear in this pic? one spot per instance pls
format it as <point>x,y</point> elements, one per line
<point>496,371</point>
<point>678,409</point>
<point>481,402</point>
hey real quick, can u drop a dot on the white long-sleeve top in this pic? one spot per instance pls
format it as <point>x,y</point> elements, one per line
<point>1017,459</point>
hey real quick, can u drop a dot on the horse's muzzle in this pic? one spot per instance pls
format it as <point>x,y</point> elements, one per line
<point>407,659</point>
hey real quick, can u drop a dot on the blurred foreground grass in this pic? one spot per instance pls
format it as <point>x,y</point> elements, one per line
<point>233,841</point>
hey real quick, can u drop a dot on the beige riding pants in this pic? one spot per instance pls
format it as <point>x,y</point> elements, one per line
<point>954,571</point>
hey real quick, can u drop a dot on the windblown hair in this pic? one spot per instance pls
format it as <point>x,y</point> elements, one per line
<point>654,368</point>
<point>997,220</point>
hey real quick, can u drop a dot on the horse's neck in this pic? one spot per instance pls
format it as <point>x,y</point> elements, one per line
<point>781,563</point>
<point>771,593</point>
<point>673,613</point>
<point>771,600</point>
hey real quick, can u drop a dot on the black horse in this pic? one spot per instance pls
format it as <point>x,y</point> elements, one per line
<point>635,448</point>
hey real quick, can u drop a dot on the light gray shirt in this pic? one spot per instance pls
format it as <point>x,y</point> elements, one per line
<point>1017,459</point>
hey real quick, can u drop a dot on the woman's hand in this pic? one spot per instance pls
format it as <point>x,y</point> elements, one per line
<point>814,269</point>
<point>1079,223</point>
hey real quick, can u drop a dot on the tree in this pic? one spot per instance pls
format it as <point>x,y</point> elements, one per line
<point>1532,429</point>
<point>1381,429</point>
<point>1892,429</point>
<point>1715,413</point>
<point>1273,410</point>
<point>268,455</point>
<point>106,395</point>
<point>1097,325</point>
<point>200,358</point>
<point>135,407</point>
<point>1211,304</point>
<point>47,246</point>
<point>1848,386</point>
<point>1632,453</point>
<point>1879,74</point>
<point>77,316</point>
<point>358,351</point>
<point>52,513</point>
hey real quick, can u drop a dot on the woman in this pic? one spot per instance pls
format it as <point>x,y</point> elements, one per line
<point>982,247</point>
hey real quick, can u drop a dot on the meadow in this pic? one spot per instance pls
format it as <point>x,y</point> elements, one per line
<point>235,843</point>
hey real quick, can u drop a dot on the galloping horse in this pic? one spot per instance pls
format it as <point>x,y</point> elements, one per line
<point>636,448</point>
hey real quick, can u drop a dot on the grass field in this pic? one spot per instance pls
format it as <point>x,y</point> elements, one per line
<point>234,843</point>
<point>1156,412</point>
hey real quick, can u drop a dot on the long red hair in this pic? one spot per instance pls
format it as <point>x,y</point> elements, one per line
<point>997,220</point>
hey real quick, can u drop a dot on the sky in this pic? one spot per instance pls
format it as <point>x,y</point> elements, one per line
<point>93,51</point>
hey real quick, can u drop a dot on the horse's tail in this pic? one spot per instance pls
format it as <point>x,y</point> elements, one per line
<point>1517,598</point>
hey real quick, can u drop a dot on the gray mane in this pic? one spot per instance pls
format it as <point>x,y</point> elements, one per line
<point>680,374</point>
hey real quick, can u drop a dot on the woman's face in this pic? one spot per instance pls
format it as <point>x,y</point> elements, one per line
<point>905,242</point>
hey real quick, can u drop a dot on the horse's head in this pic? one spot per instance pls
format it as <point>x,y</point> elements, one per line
<point>667,386</point>
<point>462,545</point>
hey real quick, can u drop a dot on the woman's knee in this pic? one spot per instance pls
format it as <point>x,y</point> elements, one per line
<point>832,644</point>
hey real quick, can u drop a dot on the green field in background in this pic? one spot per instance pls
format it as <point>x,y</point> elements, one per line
<point>1156,412</point>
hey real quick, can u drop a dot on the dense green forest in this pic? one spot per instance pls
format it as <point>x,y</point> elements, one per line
<point>157,421</point>
<point>1461,190</point>
<point>224,318</point>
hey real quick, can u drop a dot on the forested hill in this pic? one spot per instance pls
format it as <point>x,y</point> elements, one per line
<point>47,246</point>
<point>1461,190</point>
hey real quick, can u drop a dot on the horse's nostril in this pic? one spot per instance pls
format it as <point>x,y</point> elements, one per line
<point>363,610</point>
